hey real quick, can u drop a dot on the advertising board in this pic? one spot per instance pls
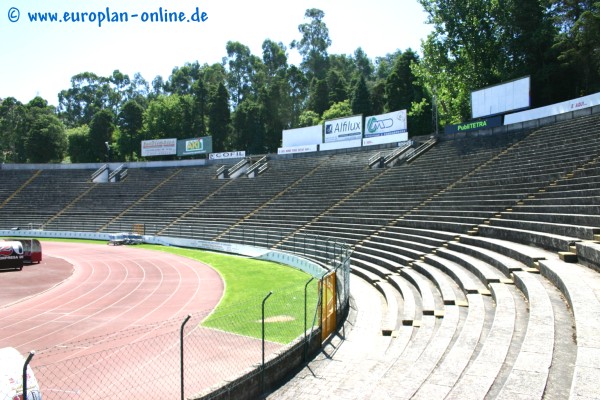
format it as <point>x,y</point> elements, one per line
<point>392,123</point>
<point>342,129</point>
<point>302,136</point>
<point>554,109</point>
<point>474,125</point>
<point>194,146</point>
<point>499,99</point>
<point>159,147</point>
<point>297,149</point>
<point>227,155</point>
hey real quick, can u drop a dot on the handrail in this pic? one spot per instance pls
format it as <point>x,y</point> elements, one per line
<point>238,166</point>
<point>256,165</point>
<point>375,158</point>
<point>394,155</point>
<point>99,171</point>
<point>422,149</point>
<point>117,173</point>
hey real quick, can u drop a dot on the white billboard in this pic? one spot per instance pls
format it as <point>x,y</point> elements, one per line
<point>341,129</point>
<point>159,147</point>
<point>302,136</point>
<point>498,99</point>
<point>391,123</point>
<point>554,109</point>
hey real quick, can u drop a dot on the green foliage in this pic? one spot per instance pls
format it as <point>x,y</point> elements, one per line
<point>246,101</point>
<point>249,127</point>
<point>101,132</point>
<point>46,140</point>
<point>361,99</point>
<point>130,122</point>
<point>338,110</point>
<point>79,149</point>
<point>314,44</point>
<point>13,127</point>
<point>168,117</point>
<point>219,118</point>
<point>318,100</point>
<point>309,118</point>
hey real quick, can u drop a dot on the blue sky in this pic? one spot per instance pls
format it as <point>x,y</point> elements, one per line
<point>40,58</point>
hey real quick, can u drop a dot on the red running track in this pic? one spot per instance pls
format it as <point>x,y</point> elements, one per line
<point>97,299</point>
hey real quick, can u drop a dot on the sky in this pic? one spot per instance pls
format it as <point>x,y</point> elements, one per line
<point>39,58</point>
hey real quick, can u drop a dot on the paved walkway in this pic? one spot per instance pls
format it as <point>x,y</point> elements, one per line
<point>351,361</point>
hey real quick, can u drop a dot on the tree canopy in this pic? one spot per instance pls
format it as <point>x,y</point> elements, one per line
<point>245,101</point>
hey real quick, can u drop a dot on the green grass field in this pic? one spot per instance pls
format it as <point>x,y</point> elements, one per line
<point>247,283</point>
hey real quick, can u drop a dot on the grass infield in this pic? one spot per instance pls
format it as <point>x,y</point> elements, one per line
<point>247,283</point>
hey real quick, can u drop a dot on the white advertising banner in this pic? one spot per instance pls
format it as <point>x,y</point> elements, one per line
<point>227,155</point>
<point>498,99</point>
<point>160,147</point>
<point>342,144</point>
<point>302,136</point>
<point>391,123</point>
<point>554,109</point>
<point>371,141</point>
<point>297,149</point>
<point>342,129</point>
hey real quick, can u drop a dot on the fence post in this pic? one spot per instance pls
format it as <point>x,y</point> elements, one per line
<point>181,353</point>
<point>305,316</point>
<point>29,357</point>
<point>262,373</point>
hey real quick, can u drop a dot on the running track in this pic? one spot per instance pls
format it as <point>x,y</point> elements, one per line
<point>93,295</point>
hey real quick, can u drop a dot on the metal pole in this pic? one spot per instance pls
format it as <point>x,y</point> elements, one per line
<point>29,357</point>
<point>181,353</point>
<point>263,329</point>
<point>262,372</point>
<point>305,316</point>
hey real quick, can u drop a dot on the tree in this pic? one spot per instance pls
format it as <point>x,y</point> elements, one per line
<point>183,78</point>
<point>338,110</point>
<point>318,100</point>
<point>361,99</point>
<point>90,93</point>
<point>219,118</point>
<point>101,132</point>
<point>363,63</point>
<point>400,85</point>
<point>298,93</point>
<point>200,106</point>
<point>79,149</point>
<point>464,52</point>
<point>249,127</point>
<point>308,118</point>
<point>168,117</point>
<point>314,44</point>
<point>579,45</point>
<point>46,140</point>
<point>13,127</point>
<point>336,84</point>
<point>130,122</point>
<point>242,67</point>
